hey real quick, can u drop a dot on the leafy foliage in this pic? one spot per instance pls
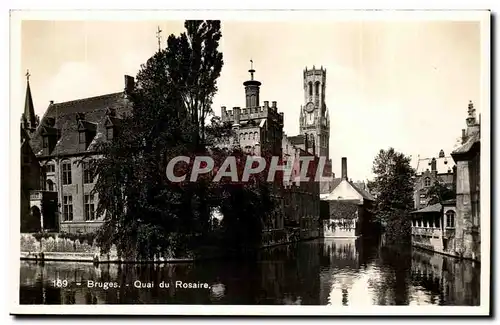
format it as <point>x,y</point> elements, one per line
<point>146,215</point>
<point>393,188</point>
<point>439,192</point>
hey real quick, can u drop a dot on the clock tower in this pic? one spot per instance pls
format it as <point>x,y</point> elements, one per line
<point>314,119</point>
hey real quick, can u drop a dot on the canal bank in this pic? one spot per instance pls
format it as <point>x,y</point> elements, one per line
<point>57,249</point>
<point>317,272</point>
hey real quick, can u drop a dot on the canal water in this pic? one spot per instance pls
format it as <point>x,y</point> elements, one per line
<point>319,272</point>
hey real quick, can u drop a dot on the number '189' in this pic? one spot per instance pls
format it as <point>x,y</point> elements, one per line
<point>60,283</point>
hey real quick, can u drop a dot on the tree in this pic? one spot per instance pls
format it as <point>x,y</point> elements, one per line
<point>142,210</point>
<point>145,214</point>
<point>393,187</point>
<point>439,192</point>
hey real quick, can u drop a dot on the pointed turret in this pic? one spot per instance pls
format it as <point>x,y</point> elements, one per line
<point>30,121</point>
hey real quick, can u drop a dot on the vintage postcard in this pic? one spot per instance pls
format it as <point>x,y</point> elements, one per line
<point>250,162</point>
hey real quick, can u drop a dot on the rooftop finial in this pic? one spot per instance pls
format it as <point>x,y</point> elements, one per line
<point>471,109</point>
<point>251,69</point>
<point>28,75</point>
<point>158,36</point>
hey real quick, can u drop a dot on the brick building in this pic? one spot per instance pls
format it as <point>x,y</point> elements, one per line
<point>453,226</point>
<point>429,171</point>
<point>67,133</point>
<point>260,128</point>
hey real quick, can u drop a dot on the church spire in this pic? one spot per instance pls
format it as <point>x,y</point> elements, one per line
<point>29,118</point>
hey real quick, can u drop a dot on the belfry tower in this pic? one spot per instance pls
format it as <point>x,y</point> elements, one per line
<point>314,120</point>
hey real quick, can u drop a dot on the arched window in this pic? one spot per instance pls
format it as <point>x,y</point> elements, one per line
<point>427,181</point>
<point>50,185</point>
<point>450,219</point>
<point>310,88</point>
<point>316,90</point>
<point>256,135</point>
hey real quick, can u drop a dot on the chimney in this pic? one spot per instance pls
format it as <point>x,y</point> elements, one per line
<point>236,111</point>
<point>433,164</point>
<point>464,136</point>
<point>129,84</point>
<point>344,168</point>
<point>273,104</point>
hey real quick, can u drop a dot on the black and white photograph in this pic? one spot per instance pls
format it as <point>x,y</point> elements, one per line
<point>237,163</point>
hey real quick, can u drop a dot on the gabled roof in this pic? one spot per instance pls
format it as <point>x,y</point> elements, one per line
<point>467,146</point>
<point>364,194</point>
<point>430,209</point>
<point>443,165</point>
<point>297,139</point>
<point>66,124</point>
<point>449,202</point>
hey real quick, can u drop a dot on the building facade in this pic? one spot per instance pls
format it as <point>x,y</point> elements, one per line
<point>429,171</point>
<point>64,144</point>
<point>348,208</point>
<point>259,129</point>
<point>453,226</point>
<point>314,119</point>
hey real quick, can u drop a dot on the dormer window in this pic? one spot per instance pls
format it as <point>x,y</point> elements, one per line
<point>86,132</point>
<point>109,133</point>
<point>81,137</point>
<point>50,136</point>
<point>112,124</point>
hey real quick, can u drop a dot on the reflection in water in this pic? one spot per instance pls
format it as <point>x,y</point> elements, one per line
<point>336,272</point>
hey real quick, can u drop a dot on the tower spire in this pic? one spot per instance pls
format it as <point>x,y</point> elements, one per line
<point>29,117</point>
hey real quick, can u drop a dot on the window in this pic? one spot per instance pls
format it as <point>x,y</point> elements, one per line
<point>50,185</point>
<point>450,219</point>
<point>66,173</point>
<point>88,177</point>
<point>419,223</point>
<point>45,142</point>
<point>68,207</point>
<point>317,88</point>
<point>437,223</point>
<point>50,168</point>
<point>427,181</point>
<point>109,133</point>
<point>310,88</point>
<point>89,207</point>
<point>422,196</point>
<point>81,137</point>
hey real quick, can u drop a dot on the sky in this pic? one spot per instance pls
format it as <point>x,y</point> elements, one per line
<point>401,84</point>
